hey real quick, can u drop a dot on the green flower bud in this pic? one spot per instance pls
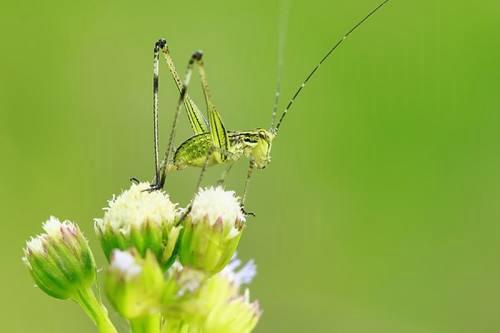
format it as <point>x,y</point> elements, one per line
<point>237,314</point>
<point>212,230</point>
<point>134,285</point>
<point>141,220</point>
<point>60,259</point>
<point>230,311</point>
<point>180,296</point>
<point>211,304</point>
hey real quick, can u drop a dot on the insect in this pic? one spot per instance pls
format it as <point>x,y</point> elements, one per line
<point>212,143</point>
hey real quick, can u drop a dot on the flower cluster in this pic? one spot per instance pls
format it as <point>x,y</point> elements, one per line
<point>170,269</point>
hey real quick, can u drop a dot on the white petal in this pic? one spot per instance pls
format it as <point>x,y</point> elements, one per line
<point>214,203</point>
<point>52,227</point>
<point>124,262</point>
<point>35,245</point>
<point>136,206</point>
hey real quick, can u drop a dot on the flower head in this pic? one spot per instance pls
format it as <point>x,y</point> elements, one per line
<point>212,230</point>
<point>140,219</point>
<point>234,312</point>
<point>60,259</point>
<point>212,304</point>
<point>134,285</point>
<point>216,204</point>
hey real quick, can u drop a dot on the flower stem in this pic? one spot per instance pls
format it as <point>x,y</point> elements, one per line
<point>95,310</point>
<point>146,324</point>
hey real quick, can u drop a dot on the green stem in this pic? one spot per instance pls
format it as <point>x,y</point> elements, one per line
<point>146,324</point>
<point>95,310</point>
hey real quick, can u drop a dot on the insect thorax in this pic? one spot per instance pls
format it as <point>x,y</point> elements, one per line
<point>255,145</point>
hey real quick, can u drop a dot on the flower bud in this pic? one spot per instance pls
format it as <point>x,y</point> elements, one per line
<point>60,259</point>
<point>134,285</point>
<point>237,314</point>
<point>212,230</point>
<point>211,304</point>
<point>180,295</point>
<point>231,311</point>
<point>142,220</point>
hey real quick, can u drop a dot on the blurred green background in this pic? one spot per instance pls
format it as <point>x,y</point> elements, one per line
<point>380,211</point>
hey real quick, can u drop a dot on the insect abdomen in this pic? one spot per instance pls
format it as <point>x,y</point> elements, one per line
<point>193,152</point>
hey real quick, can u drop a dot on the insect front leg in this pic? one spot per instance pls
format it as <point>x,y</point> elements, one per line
<point>251,167</point>
<point>160,182</point>
<point>223,176</point>
<point>211,150</point>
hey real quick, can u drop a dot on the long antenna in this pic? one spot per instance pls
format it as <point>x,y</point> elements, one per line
<point>334,47</point>
<point>284,10</point>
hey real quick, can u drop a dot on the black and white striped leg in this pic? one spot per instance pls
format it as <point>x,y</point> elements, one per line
<point>159,45</point>
<point>163,170</point>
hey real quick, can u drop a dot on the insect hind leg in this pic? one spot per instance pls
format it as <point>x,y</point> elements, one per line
<point>160,181</point>
<point>159,45</point>
<point>196,118</point>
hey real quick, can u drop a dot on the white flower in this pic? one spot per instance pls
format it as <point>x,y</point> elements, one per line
<point>135,207</point>
<point>211,230</point>
<point>140,219</point>
<point>215,203</point>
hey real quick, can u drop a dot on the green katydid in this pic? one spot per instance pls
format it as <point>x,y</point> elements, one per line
<point>211,143</point>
